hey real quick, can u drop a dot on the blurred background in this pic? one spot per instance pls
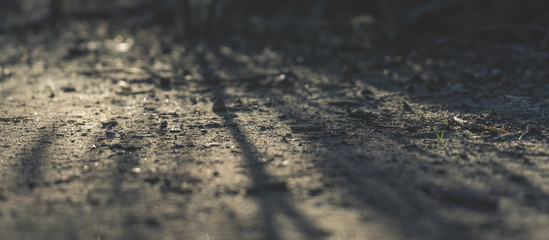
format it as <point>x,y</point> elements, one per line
<point>383,20</point>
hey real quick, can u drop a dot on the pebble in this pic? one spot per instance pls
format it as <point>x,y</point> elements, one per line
<point>282,117</point>
<point>109,123</point>
<point>111,134</point>
<point>406,106</point>
<point>128,148</point>
<point>361,114</point>
<point>175,130</point>
<point>68,89</point>
<point>213,144</point>
<point>164,82</point>
<point>116,146</point>
<point>152,179</point>
<point>219,106</point>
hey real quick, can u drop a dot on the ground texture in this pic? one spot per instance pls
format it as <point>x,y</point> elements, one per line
<point>112,133</point>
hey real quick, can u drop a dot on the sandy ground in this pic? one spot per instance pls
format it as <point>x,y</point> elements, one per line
<point>110,133</point>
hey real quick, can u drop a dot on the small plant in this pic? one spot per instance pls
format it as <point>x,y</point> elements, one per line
<point>440,136</point>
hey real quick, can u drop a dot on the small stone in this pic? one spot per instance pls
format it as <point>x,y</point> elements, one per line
<point>128,148</point>
<point>283,117</point>
<point>68,89</point>
<point>219,106</point>
<point>175,130</point>
<point>366,94</point>
<point>406,106</point>
<point>164,124</point>
<point>109,124</point>
<point>111,134</point>
<point>361,114</point>
<point>213,144</point>
<point>152,179</point>
<point>116,146</point>
<point>165,83</point>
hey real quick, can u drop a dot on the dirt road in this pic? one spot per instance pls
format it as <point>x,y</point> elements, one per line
<point>110,133</point>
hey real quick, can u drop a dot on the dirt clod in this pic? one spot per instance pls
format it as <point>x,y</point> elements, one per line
<point>219,105</point>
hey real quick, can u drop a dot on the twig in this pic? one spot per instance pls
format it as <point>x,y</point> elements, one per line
<point>244,78</point>
<point>525,132</point>
<point>477,127</point>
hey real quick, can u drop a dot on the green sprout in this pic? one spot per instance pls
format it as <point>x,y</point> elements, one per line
<point>440,136</point>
